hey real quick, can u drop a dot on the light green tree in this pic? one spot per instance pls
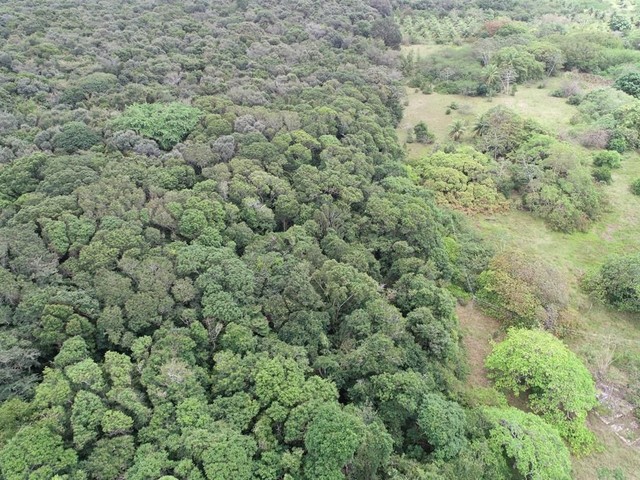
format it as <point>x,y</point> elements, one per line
<point>559,386</point>
<point>166,123</point>
<point>531,445</point>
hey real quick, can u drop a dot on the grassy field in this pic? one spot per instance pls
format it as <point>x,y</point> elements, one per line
<point>529,101</point>
<point>600,334</point>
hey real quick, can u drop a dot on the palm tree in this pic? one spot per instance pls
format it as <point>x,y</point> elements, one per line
<point>457,130</point>
<point>481,127</point>
<point>491,77</point>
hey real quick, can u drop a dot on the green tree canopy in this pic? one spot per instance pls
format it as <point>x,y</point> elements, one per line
<point>531,445</point>
<point>559,386</point>
<point>166,123</point>
<point>618,282</point>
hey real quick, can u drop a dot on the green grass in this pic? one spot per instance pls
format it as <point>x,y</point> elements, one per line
<point>423,50</point>
<point>529,101</point>
<point>617,232</point>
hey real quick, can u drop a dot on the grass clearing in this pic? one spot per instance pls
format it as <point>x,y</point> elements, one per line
<point>614,456</point>
<point>598,329</point>
<point>478,331</point>
<point>530,101</point>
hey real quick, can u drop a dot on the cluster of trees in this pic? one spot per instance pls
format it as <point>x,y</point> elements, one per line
<point>608,118</point>
<point>515,158</point>
<point>551,178</point>
<point>495,51</point>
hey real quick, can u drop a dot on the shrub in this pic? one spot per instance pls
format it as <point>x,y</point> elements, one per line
<point>617,282</point>
<point>595,138</point>
<point>75,136</point>
<point>574,100</point>
<point>422,133</point>
<point>608,159</point>
<point>618,143</point>
<point>602,174</point>
<point>635,187</point>
<point>166,123</point>
<point>98,82</point>
<point>559,386</point>
<point>568,89</point>
<point>629,83</point>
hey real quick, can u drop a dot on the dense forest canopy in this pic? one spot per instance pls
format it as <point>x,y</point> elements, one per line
<point>216,264</point>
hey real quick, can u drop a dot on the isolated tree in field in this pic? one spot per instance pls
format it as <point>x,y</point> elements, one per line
<point>559,386</point>
<point>457,130</point>
<point>618,282</point>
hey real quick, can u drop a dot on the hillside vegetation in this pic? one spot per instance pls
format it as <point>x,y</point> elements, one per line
<point>552,271</point>
<point>218,261</point>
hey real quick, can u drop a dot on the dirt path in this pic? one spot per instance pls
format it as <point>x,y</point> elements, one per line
<point>478,332</point>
